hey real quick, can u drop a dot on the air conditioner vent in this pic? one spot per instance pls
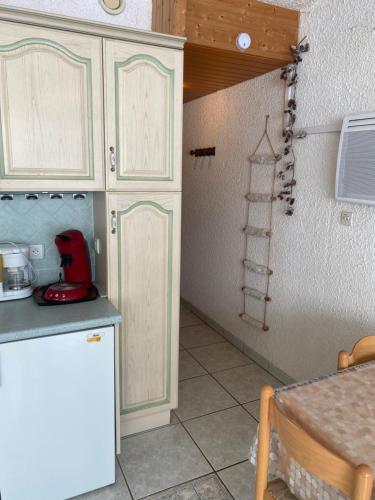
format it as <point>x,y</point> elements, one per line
<point>355,175</point>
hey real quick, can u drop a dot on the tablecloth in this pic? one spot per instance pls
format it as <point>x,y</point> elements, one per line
<point>339,412</point>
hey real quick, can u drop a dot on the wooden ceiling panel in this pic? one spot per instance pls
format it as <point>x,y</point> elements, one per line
<point>207,70</point>
<point>212,60</point>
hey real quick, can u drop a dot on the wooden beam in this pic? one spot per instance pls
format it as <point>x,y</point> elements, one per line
<point>169,16</point>
<point>216,23</point>
<point>212,60</point>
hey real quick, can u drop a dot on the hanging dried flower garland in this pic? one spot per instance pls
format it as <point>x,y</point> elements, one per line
<point>290,75</point>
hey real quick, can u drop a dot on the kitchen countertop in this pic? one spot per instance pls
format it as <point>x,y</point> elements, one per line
<point>23,319</point>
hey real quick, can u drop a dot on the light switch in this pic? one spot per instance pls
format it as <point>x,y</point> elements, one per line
<point>346,218</point>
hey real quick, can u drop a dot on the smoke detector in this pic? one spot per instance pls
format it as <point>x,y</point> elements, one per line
<point>243,41</point>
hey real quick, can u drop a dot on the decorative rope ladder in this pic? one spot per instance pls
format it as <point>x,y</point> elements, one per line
<point>251,268</point>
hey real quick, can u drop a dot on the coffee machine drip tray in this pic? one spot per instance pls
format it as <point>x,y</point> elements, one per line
<point>65,293</point>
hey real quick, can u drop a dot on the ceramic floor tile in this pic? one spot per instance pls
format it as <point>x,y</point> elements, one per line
<point>199,335</point>
<point>240,480</point>
<point>200,396</point>
<point>185,492</point>
<point>187,318</point>
<point>160,459</point>
<point>224,437</point>
<point>188,367</point>
<point>205,488</point>
<point>117,491</point>
<point>219,356</point>
<point>245,382</point>
<point>210,488</point>
<point>174,419</point>
<point>253,409</point>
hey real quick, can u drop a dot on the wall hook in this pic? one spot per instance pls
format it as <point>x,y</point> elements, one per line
<point>203,152</point>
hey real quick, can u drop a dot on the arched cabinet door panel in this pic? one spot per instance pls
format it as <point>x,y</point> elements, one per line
<point>144,256</point>
<point>51,114</point>
<point>143,106</point>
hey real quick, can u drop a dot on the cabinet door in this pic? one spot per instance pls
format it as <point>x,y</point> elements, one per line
<point>144,266</point>
<point>51,116</point>
<point>143,107</point>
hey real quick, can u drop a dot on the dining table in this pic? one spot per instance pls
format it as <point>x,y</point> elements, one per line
<point>338,411</point>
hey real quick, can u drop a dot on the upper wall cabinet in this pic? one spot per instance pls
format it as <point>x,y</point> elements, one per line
<point>143,108</point>
<point>50,109</point>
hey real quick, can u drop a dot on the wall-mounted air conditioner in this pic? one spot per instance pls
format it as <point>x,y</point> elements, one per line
<point>355,174</point>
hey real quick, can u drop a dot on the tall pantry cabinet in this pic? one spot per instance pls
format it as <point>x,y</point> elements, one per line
<point>86,106</point>
<point>144,261</point>
<point>143,116</point>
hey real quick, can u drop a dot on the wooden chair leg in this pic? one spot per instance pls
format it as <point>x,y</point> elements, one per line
<point>343,361</point>
<point>364,483</point>
<point>264,437</point>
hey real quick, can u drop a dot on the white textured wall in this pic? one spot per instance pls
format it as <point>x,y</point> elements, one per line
<point>324,273</point>
<point>301,5</point>
<point>137,13</point>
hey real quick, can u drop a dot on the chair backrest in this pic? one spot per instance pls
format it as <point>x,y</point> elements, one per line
<point>355,482</point>
<point>363,351</point>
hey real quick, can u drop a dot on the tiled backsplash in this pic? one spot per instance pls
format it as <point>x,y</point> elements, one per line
<point>38,221</point>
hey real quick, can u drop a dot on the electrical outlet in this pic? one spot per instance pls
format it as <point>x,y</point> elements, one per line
<point>346,218</point>
<point>36,252</point>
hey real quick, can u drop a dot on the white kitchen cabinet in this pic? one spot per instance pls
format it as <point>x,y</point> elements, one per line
<point>51,108</point>
<point>144,284</point>
<point>143,112</point>
<point>86,106</point>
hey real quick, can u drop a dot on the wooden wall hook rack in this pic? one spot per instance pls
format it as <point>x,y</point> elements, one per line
<point>203,152</point>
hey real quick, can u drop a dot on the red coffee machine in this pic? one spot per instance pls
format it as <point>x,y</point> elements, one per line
<point>75,261</point>
<point>75,258</point>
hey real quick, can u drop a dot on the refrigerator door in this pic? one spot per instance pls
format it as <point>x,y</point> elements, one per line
<point>57,415</point>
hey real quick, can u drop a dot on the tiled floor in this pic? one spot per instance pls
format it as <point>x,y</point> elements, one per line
<point>202,454</point>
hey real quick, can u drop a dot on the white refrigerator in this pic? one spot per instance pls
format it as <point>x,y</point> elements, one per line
<point>57,415</point>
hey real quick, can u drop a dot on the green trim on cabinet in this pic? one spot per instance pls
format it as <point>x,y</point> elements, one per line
<point>170,73</point>
<point>83,60</point>
<point>167,386</point>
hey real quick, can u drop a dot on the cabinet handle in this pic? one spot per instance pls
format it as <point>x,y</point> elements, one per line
<point>113,222</point>
<point>112,158</point>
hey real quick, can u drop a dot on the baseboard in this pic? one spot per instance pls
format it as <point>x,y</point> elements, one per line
<point>131,424</point>
<point>260,360</point>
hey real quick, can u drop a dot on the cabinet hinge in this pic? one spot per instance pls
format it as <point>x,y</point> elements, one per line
<point>112,158</point>
<point>113,221</point>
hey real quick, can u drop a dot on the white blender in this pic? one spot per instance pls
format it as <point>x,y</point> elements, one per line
<point>15,271</point>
